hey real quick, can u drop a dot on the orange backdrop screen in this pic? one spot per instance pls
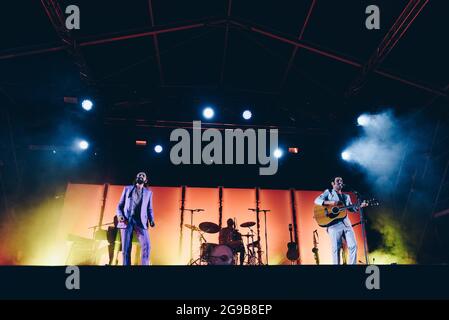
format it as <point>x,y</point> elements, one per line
<point>88,208</point>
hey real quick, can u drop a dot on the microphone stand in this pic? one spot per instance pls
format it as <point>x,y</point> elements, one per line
<point>362,222</point>
<point>257,210</point>
<point>266,236</point>
<point>191,232</point>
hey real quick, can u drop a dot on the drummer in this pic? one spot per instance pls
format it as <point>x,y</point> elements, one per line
<point>231,237</point>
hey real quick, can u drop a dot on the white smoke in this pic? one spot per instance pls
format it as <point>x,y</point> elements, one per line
<point>381,147</point>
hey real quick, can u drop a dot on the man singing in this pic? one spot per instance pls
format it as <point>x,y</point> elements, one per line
<point>134,211</point>
<point>342,228</point>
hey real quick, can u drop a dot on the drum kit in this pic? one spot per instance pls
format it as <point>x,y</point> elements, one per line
<point>222,254</point>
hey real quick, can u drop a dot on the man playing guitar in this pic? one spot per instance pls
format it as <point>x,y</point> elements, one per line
<point>339,228</point>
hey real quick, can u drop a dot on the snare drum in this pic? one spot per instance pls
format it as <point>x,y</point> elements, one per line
<point>221,255</point>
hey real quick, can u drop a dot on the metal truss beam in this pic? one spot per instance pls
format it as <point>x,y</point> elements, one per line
<point>396,32</point>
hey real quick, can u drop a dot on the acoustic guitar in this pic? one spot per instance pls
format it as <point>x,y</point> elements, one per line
<point>293,252</point>
<point>325,215</point>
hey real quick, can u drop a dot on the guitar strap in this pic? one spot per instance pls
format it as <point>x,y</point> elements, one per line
<point>329,193</point>
<point>342,198</point>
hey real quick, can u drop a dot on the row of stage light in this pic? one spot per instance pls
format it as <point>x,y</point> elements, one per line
<point>208,114</point>
<point>82,144</point>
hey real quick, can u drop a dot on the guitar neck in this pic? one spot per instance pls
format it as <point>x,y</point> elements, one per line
<point>352,206</point>
<point>356,206</point>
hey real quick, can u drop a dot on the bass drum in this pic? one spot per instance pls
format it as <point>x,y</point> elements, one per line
<point>221,255</point>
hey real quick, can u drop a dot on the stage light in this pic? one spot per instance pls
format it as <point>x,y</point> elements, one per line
<point>363,120</point>
<point>87,104</point>
<point>83,145</point>
<point>346,155</point>
<point>141,142</point>
<point>293,150</point>
<point>158,148</point>
<point>71,100</point>
<point>278,153</point>
<point>208,113</point>
<point>247,115</point>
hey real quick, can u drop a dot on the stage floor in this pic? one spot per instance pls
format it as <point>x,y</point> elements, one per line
<point>224,282</point>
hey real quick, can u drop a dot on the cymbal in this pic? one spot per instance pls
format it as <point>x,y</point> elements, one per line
<point>248,224</point>
<point>209,227</point>
<point>194,228</point>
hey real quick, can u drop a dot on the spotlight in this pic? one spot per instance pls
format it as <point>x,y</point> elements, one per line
<point>87,104</point>
<point>247,115</point>
<point>346,155</point>
<point>278,153</point>
<point>293,150</point>
<point>83,145</point>
<point>71,100</point>
<point>158,148</point>
<point>208,113</point>
<point>363,120</point>
<point>141,142</point>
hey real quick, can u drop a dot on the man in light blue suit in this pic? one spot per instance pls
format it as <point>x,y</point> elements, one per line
<point>339,229</point>
<point>134,212</point>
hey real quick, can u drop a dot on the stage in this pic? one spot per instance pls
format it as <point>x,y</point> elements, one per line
<point>89,210</point>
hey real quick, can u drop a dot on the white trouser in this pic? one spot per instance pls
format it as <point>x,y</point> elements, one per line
<point>336,233</point>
